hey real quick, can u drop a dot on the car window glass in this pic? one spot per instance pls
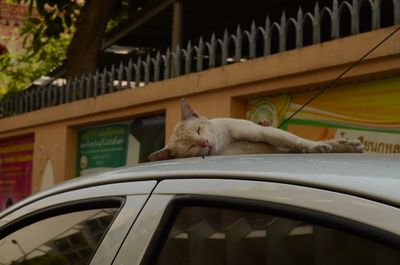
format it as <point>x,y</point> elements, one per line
<point>202,235</point>
<point>69,238</point>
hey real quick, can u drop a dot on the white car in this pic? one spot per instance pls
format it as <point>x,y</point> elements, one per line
<point>305,209</point>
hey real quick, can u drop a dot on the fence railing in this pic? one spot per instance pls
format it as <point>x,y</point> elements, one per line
<point>348,17</point>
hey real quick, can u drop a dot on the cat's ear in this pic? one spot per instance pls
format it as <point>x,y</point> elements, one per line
<point>162,154</point>
<point>187,111</point>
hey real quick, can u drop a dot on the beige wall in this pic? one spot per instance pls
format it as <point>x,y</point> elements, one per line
<point>218,92</point>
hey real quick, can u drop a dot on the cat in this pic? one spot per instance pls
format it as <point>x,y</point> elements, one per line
<point>198,136</point>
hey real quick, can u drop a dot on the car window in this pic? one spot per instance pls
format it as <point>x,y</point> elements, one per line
<point>69,238</point>
<point>209,235</point>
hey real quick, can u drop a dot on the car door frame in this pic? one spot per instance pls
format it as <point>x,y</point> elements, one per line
<point>132,196</point>
<point>322,205</point>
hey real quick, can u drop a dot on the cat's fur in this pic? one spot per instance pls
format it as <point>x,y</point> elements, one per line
<point>198,136</point>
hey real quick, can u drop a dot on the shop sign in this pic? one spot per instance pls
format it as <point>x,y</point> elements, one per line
<point>16,159</point>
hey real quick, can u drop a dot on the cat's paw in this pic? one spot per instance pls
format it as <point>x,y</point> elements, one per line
<point>350,145</point>
<point>317,147</point>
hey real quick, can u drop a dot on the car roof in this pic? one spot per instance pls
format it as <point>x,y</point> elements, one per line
<point>372,176</point>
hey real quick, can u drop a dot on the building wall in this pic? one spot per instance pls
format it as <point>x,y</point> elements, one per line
<point>219,92</point>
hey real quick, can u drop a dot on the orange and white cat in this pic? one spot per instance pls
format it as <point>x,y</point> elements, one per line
<point>196,135</point>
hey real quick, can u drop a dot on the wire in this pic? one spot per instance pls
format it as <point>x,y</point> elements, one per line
<point>339,76</point>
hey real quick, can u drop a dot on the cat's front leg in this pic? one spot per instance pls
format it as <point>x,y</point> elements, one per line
<point>345,145</point>
<point>242,130</point>
<point>308,146</point>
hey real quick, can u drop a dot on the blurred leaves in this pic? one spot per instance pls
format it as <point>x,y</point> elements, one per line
<point>19,70</point>
<point>49,19</point>
<point>46,35</point>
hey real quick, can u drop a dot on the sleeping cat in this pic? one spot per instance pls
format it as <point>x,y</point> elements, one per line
<point>198,136</point>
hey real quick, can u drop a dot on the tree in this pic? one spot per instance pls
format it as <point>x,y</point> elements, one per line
<point>53,26</point>
<point>43,47</point>
<point>86,19</point>
<point>90,28</point>
<point>18,70</point>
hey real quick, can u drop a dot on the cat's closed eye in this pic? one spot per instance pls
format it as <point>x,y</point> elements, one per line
<point>198,130</point>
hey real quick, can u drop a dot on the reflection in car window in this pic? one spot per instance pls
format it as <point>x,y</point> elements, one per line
<point>202,235</point>
<point>64,239</point>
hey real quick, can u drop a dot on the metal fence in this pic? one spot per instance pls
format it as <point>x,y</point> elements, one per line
<point>321,24</point>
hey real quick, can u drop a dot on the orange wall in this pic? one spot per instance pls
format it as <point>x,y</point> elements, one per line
<point>217,92</point>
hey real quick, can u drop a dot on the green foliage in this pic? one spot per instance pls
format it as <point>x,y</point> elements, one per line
<point>52,18</point>
<point>49,19</point>
<point>46,35</point>
<point>19,70</point>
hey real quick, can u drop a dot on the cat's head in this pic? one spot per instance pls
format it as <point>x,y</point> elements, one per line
<point>193,136</point>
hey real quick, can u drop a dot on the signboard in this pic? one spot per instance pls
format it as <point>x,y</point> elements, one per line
<point>103,147</point>
<point>367,111</point>
<point>16,159</point>
<point>118,144</point>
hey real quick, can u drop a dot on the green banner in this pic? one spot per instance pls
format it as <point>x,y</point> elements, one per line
<point>123,143</point>
<point>368,111</point>
<point>102,147</point>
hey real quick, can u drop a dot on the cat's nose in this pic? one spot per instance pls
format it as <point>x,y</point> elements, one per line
<point>205,143</point>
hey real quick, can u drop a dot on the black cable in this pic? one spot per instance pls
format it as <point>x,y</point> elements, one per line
<point>340,76</point>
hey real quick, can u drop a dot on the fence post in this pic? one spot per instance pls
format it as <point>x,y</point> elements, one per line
<point>188,58</point>
<point>167,59</point>
<point>43,97</point>
<point>111,78</point>
<point>252,40</point>
<point>355,16</point>
<point>103,82</point>
<point>238,44</point>
<point>128,72</point>
<point>157,65</point>
<point>199,55</point>
<point>335,20</point>
<point>282,35</point>
<point>89,88</point>
<point>316,25</point>
<point>147,66</point>
<point>224,48</point>
<point>96,87</point>
<point>138,72</point>
<point>176,62</point>
<point>396,11</point>
<point>81,87</point>
<point>120,73</point>
<point>376,14</point>
<point>299,29</point>
<point>211,51</point>
<point>267,37</point>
